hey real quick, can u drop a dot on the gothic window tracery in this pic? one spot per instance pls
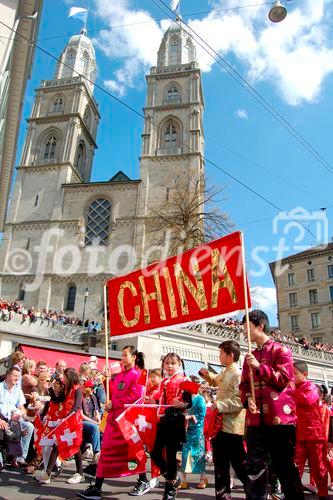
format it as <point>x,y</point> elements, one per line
<point>172,93</point>
<point>170,135</point>
<point>58,105</point>
<point>50,148</point>
<point>98,222</point>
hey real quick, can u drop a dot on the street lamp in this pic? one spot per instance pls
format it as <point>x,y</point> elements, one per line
<point>85,295</point>
<point>277,12</point>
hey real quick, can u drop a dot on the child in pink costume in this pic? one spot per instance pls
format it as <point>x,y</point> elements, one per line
<point>116,459</point>
<point>311,440</point>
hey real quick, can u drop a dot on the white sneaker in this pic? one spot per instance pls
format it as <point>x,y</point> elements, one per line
<point>88,453</point>
<point>77,478</point>
<point>154,482</point>
<point>42,477</point>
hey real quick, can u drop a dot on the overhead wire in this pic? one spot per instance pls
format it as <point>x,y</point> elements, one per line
<point>110,28</point>
<point>138,113</point>
<point>248,87</point>
<point>257,221</point>
<point>274,174</point>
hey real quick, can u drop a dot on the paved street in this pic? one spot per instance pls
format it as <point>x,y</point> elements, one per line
<point>15,485</point>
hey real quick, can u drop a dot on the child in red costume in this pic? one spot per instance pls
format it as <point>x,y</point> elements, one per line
<point>311,440</point>
<point>171,428</point>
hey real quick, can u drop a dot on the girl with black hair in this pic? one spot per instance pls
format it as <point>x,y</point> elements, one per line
<point>117,459</point>
<point>170,433</point>
<point>72,403</point>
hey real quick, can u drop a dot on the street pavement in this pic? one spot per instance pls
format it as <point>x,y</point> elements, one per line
<point>14,485</point>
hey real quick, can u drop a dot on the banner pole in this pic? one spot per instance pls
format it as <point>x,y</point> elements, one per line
<point>106,343</point>
<point>247,319</point>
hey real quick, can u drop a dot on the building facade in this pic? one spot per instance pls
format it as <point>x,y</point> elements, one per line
<point>75,234</point>
<point>19,22</point>
<point>304,291</point>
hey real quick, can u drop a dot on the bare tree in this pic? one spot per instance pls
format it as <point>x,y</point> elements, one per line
<point>189,216</point>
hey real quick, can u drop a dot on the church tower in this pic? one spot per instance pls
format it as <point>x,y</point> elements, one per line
<point>173,140</point>
<point>58,150</point>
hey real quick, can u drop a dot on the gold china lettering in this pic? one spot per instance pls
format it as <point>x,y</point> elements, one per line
<point>198,288</point>
<point>125,321</point>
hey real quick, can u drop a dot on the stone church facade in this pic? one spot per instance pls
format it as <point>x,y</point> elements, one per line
<point>65,234</point>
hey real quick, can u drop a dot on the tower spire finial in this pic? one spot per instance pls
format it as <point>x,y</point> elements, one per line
<point>176,8</point>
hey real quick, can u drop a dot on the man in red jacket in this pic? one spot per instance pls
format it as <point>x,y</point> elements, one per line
<point>271,419</point>
<point>310,430</point>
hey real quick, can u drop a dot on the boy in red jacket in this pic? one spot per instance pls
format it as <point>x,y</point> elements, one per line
<point>310,430</point>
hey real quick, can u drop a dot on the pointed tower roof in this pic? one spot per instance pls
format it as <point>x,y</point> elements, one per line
<point>78,57</point>
<point>177,47</point>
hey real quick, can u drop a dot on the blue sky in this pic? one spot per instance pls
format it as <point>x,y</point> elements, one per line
<point>290,65</point>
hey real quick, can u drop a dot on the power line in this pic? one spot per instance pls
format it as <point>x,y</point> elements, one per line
<point>270,218</point>
<point>157,20</point>
<point>274,174</point>
<point>138,113</point>
<point>248,87</point>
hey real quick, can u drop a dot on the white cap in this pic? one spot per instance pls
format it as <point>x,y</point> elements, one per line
<point>93,358</point>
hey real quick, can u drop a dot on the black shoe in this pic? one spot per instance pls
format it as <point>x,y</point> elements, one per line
<point>140,489</point>
<point>170,489</point>
<point>90,470</point>
<point>57,470</point>
<point>92,492</point>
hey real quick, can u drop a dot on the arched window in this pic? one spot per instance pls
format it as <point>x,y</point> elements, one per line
<point>98,222</point>
<point>21,293</point>
<point>170,135</point>
<point>87,117</point>
<point>70,58</point>
<point>86,63</point>
<point>172,93</point>
<point>50,148</point>
<point>71,298</point>
<point>80,157</point>
<point>174,51</point>
<point>58,105</point>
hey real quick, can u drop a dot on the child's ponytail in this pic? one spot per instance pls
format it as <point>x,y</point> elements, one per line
<point>139,356</point>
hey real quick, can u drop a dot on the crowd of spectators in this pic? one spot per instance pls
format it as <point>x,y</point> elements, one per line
<point>41,316</point>
<point>279,336</point>
<point>37,381</point>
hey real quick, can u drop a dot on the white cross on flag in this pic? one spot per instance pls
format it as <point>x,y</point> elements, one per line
<point>142,424</point>
<point>145,420</point>
<point>69,435</point>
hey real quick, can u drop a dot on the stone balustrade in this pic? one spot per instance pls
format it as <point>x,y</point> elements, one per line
<point>43,329</point>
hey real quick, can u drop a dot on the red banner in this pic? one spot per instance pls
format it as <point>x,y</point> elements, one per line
<point>204,282</point>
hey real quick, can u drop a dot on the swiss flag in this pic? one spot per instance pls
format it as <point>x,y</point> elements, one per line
<point>69,435</point>
<point>131,435</point>
<point>145,420</point>
<point>38,433</point>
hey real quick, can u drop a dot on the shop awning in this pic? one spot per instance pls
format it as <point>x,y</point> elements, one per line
<point>192,367</point>
<point>51,356</point>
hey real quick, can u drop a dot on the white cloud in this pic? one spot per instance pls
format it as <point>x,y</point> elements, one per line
<point>241,113</point>
<point>294,56</point>
<point>134,46</point>
<point>263,298</point>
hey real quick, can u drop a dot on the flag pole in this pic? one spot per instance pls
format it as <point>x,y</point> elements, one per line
<point>247,319</point>
<point>106,343</point>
